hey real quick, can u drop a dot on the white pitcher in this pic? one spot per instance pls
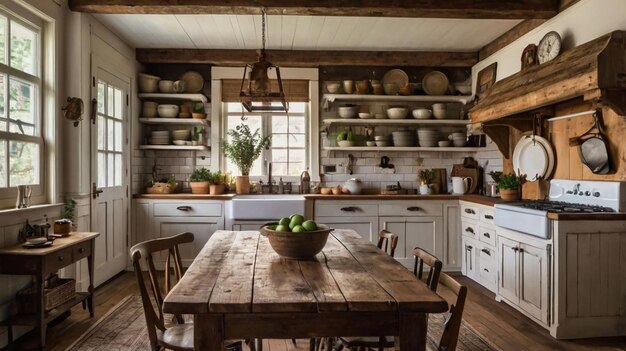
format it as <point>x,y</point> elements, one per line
<point>460,185</point>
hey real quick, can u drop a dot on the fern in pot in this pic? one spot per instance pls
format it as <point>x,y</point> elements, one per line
<point>199,181</point>
<point>216,181</point>
<point>243,148</point>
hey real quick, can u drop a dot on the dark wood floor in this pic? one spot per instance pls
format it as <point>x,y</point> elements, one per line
<point>498,322</point>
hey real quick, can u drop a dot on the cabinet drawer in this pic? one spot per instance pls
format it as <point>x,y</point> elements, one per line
<point>410,209</point>
<point>188,209</point>
<point>487,235</point>
<point>468,211</point>
<point>487,215</point>
<point>487,255</point>
<point>469,228</point>
<point>81,250</point>
<point>340,210</point>
<point>487,272</point>
<point>58,260</point>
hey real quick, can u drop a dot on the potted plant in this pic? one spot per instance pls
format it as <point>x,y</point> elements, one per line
<point>216,181</point>
<point>509,185</point>
<point>199,181</point>
<point>161,185</point>
<point>243,149</point>
<point>426,175</point>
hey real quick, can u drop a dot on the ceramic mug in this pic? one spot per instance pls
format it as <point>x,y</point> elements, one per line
<point>166,86</point>
<point>179,86</point>
<point>460,185</point>
<point>348,86</point>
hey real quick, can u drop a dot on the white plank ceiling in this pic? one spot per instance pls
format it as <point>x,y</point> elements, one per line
<point>305,32</point>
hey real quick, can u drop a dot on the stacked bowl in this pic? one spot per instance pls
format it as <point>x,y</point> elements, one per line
<point>403,138</point>
<point>459,139</point>
<point>160,137</point>
<point>180,136</point>
<point>382,140</point>
<point>427,137</point>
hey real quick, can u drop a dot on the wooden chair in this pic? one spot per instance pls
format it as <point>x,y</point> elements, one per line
<point>423,257</point>
<point>387,241</point>
<point>177,336</point>
<point>452,325</point>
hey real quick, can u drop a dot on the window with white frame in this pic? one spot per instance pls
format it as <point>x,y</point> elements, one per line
<point>288,151</point>
<point>21,140</point>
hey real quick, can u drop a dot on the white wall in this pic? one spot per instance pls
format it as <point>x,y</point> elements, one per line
<point>580,23</point>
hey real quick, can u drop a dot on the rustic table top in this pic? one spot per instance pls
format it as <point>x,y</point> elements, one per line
<point>238,272</point>
<point>58,244</point>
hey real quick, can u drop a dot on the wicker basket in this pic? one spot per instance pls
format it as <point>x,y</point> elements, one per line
<point>64,291</point>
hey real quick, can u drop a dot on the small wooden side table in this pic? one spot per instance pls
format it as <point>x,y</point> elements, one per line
<point>16,260</point>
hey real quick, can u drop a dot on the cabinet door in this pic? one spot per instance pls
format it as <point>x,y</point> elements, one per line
<point>424,232</point>
<point>201,227</point>
<point>367,227</point>
<point>468,266</point>
<point>533,281</point>
<point>486,266</point>
<point>452,237</point>
<point>508,269</point>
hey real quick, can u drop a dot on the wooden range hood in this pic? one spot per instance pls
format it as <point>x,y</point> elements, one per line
<point>594,72</point>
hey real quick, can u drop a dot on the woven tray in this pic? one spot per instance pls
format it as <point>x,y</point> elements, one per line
<point>52,297</point>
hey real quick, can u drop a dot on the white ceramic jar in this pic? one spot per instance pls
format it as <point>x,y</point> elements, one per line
<point>353,185</point>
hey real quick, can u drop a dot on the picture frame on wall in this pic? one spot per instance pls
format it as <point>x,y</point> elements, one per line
<point>485,80</point>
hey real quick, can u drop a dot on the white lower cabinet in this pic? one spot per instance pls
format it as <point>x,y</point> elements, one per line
<point>423,232</point>
<point>367,227</point>
<point>479,239</point>
<point>164,218</point>
<point>468,261</point>
<point>524,277</point>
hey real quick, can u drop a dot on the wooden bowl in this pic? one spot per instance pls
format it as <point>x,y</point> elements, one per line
<point>297,246</point>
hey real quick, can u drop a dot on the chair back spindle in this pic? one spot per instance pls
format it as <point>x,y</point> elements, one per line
<point>388,242</point>
<point>424,257</point>
<point>450,335</point>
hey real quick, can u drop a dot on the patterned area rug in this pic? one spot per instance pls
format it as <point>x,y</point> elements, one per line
<point>124,328</point>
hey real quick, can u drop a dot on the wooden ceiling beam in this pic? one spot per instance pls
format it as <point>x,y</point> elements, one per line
<point>308,58</point>
<point>475,9</point>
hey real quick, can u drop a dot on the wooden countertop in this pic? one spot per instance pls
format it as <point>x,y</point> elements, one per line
<point>480,199</point>
<point>381,197</point>
<point>58,244</point>
<point>610,216</point>
<point>184,196</point>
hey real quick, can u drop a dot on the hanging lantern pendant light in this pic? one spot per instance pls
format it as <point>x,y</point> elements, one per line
<point>258,97</point>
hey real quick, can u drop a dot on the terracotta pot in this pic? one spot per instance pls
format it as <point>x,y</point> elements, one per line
<point>199,187</point>
<point>242,184</point>
<point>216,189</point>
<point>509,194</point>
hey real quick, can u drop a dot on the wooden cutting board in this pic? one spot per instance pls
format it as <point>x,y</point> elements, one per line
<point>472,173</point>
<point>440,181</point>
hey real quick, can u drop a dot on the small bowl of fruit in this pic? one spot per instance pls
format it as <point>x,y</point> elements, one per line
<point>296,238</point>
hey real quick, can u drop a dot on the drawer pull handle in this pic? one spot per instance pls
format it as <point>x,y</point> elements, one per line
<point>184,208</point>
<point>349,209</point>
<point>515,249</point>
<point>81,250</point>
<point>413,209</point>
<point>60,258</point>
<point>486,251</point>
<point>487,235</point>
<point>470,211</point>
<point>468,247</point>
<point>469,230</point>
<point>486,270</point>
<point>488,217</point>
<point>521,250</point>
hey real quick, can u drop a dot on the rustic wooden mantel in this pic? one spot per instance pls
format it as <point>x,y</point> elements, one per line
<point>594,71</point>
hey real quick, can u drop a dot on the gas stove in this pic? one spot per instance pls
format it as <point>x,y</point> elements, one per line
<point>566,196</point>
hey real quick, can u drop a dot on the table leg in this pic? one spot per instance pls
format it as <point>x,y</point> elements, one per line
<point>413,331</point>
<point>90,267</point>
<point>41,324</point>
<point>208,333</point>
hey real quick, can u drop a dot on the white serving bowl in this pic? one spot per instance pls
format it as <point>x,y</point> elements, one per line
<point>148,83</point>
<point>365,115</point>
<point>381,137</point>
<point>459,142</point>
<point>348,111</point>
<point>443,143</point>
<point>168,111</point>
<point>422,113</point>
<point>370,143</point>
<point>382,143</point>
<point>179,142</point>
<point>345,143</point>
<point>440,113</point>
<point>166,86</point>
<point>397,112</point>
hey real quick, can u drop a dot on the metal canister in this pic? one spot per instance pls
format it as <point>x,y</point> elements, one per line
<point>305,182</point>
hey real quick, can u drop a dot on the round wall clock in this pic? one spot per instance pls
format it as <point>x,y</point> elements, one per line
<point>549,47</point>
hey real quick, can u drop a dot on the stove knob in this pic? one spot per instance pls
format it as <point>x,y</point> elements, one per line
<point>587,193</point>
<point>580,193</point>
<point>596,194</point>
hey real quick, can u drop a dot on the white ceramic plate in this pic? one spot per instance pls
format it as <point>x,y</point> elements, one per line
<point>194,82</point>
<point>533,157</point>
<point>435,83</point>
<point>397,77</point>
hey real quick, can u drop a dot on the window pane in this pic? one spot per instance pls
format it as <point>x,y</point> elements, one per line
<point>110,135</point>
<point>23,163</point>
<point>3,39</point>
<point>23,48</point>
<point>296,125</point>
<point>22,107</point>
<point>110,170</point>
<point>297,107</point>
<point>118,170</point>
<point>3,123</point>
<point>279,168</point>
<point>279,124</point>
<point>101,130</point>
<point>234,107</point>
<point>101,89</point>
<point>297,140</point>
<point>110,101</point>
<point>296,168</point>
<point>118,136</point>
<point>297,155</point>
<point>102,182</point>
<point>3,162</point>
<point>118,104</point>
<point>279,155</point>
<point>279,140</point>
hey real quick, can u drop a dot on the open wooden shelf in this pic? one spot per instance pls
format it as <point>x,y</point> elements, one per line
<point>174,96</point>
<point>395,122</point>
<point>398,98</point>
<point>175,147</point>
<point>403,149</point>
<point>174,121</point>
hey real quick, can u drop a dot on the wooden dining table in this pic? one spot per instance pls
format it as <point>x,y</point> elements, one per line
<point>239,288</point>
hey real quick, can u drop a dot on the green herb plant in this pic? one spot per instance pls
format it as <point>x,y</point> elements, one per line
<point>200,175</point>
<point>426,175</point>
<point>509,181</point>
<point>216,178</point>
<point>244,147</point>
<point>69,206</point>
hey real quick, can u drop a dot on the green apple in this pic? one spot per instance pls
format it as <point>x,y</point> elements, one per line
<point>296,220</point>
<point>284,221</point>
<point>309,225</point>
<point>282,228</point>
<point>298,229</point>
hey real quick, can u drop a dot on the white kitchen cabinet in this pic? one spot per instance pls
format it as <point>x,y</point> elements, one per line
<point>479,244</point>
<point>524,275</point>
<point>423,232</point>
<point>452,236</point>
<point>468,264</point>
<point>160,218</point>
<point>367,227</point>
<point>360,216</point>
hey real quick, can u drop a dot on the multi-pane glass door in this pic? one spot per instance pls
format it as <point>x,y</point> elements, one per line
<point>110,124</point>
